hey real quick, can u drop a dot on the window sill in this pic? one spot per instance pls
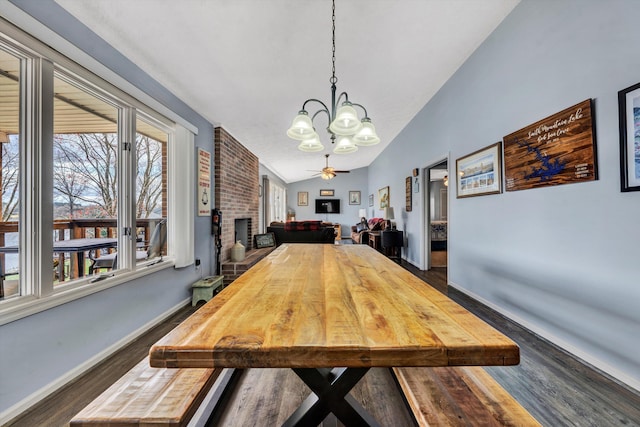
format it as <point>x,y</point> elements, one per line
<point>19,307</point>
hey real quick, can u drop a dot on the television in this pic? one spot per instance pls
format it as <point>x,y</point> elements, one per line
<point>327,206</point>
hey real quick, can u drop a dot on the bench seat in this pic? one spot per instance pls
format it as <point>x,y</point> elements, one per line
<point>459,396</point>
<point>147,396</point>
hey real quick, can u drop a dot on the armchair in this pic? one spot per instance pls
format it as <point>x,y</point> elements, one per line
<point>360,231</point>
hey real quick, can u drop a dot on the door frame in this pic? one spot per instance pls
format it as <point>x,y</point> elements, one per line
<point>425,221</point>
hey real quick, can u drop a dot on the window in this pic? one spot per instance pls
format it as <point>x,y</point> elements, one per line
<point>11,66</point>
<point>98,167</point>
<point>277,202</point>
<point>85,175</point>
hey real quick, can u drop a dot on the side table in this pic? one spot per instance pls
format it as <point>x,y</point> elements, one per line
<point>374,240</point>
<point>203,289</point>
<point>392,242</point>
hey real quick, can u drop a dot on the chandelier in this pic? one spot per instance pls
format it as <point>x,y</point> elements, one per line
<point>346,131</point>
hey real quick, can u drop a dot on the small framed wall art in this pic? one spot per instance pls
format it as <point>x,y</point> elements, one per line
<point>383,195</point>
<point>326,192</point>
<point>480,172</point>
<point>303,198</point>
<point>629,118</point>
<point>354,197</point>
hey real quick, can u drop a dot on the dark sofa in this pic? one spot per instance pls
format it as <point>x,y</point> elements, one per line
<point>302,232</point>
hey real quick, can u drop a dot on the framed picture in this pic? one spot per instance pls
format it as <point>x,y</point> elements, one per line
<point>629,117</point>
<point>480,172</point>
<point>370,199</point>
<point>354,197</point>
<point>383,195</point>
<point>303,198</point>
<point>266,240</point>
<point>407,190</point>
<point>557,150</point>
<point>326,192</point>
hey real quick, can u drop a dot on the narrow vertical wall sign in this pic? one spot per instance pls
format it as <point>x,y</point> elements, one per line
<point>204,183</point>
<point>560,149</point>
<point>408,199</point>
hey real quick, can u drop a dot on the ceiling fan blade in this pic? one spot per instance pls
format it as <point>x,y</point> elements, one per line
<point>341,171</point>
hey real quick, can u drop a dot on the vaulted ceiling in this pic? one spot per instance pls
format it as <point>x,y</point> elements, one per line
<point>248,65</point>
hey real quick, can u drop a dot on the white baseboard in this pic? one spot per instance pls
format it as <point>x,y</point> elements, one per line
<point>71,375</point>
<point>585,357</point>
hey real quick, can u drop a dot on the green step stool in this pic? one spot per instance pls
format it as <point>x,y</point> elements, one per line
<point>204,289</point>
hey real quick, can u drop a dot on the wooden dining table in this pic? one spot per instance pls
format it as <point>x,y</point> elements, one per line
<point>331,312</point>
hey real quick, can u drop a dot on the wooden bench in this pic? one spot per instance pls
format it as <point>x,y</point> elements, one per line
<point>459,396</point>
<point>147,396</point>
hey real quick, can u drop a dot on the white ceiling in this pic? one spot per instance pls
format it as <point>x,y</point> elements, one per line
<point>248,65</point>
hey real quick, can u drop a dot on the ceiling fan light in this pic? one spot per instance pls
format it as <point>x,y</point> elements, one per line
<point>327,175</point>
<point>367,135</point>
<point>345,146</point>
<point>346,121</point>
<point>302,127</point>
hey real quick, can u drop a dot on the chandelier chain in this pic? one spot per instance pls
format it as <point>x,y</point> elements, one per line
<point>345,128</point>
<point>333,80</point>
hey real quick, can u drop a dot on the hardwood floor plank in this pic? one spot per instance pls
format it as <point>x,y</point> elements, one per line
<point>555,387</point>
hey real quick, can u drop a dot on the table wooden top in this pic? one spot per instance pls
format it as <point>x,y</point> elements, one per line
<point>318,305</point>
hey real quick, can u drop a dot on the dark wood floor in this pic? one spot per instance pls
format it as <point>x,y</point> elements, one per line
<point>555,387</point>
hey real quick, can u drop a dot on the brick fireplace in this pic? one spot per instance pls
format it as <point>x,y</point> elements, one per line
<point>236,189</point>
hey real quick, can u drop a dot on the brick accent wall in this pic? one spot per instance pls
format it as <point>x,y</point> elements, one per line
<point>236,187</point>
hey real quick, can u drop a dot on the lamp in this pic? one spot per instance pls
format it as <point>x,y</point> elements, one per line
<point>343,118</point>
<point>388,215</point>
<point>362,213</point>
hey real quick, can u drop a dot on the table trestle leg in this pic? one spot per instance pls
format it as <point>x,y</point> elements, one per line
<point>330,389</point>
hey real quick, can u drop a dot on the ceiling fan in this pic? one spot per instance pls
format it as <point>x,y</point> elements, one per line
<point>328,172</point>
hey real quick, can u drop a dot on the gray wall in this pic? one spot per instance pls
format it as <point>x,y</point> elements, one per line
<point>341,184</point>
<point>39,350</point>
<point>561,260</point>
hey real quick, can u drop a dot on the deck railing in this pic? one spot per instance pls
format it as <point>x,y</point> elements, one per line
<point>65,229</point>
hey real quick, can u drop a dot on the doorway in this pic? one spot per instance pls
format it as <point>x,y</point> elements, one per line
<point>436,212</point>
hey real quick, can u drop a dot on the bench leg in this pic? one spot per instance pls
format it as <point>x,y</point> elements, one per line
<point>330,389</point>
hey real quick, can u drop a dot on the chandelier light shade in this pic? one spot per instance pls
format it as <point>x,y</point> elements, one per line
<point>301,128</point>
<point>346,121</point>
<point>343,121</point>
<point>312,144</point>
<point>345,146</point>
<point>367,134</point>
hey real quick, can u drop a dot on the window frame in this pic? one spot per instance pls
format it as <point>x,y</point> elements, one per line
<point>41,63</point>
